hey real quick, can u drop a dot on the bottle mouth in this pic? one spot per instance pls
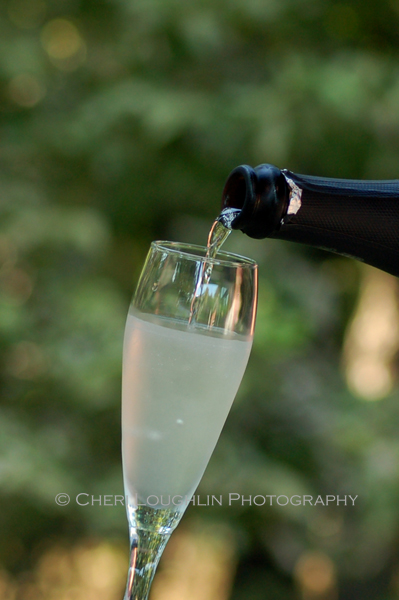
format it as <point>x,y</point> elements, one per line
<point>260,194</point>
<point>238,194</point>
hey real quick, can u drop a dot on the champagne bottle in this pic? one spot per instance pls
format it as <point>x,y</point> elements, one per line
<point>359,219</point>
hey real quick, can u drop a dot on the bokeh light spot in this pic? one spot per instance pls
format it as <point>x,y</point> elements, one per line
<point>372,338</point>
<point>26,361</point>
<point>15,285</point>
<point>26,90</point>
<point>64,44</point>
<point>315,575</point>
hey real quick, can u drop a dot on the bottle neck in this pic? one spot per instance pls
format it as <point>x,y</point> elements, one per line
<point>354,218</point>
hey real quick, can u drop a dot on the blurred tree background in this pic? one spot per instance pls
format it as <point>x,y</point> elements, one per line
<point>119,123</point>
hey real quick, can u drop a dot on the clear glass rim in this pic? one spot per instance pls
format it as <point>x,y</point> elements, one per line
<point>197,253</point>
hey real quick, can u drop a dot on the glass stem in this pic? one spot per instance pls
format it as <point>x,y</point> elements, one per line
<point>149,531</point>
<point>146,548</point>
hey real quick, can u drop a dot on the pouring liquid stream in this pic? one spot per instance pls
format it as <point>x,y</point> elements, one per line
<point>218,234</point>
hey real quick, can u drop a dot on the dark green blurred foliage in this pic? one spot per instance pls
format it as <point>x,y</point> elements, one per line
<point>120,121</point>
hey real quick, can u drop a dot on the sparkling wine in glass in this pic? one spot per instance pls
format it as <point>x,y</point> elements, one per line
<point>187,342</point>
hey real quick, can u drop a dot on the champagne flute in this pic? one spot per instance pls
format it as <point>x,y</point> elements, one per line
<point>187,342</point>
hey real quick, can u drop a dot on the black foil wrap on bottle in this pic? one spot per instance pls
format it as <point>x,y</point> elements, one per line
<point>354,218</point>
